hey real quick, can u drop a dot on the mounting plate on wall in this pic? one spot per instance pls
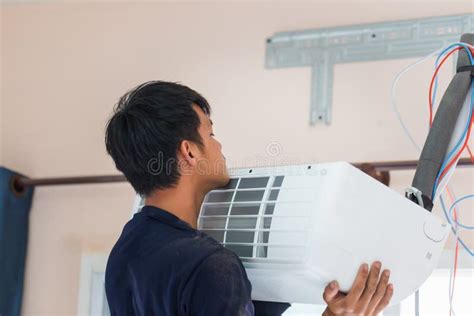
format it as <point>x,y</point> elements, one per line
<point>321,48</point>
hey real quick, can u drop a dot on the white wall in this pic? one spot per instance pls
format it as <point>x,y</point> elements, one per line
<point>65,65</point>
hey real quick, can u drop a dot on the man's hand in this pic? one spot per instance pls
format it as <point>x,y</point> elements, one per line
<point>368,295</point>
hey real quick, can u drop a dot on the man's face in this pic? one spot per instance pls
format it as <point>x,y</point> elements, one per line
<point>211,166</point>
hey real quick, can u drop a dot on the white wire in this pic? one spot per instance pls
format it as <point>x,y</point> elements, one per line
<point>406,130</point>
<point>417,302</point>
<point>457,133</point>
<point>418,148</point>
<point>444,182</point>
<point>451,270</point>
<point>393,100</point>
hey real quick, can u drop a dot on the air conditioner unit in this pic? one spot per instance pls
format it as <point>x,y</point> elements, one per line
<point>296,228</point>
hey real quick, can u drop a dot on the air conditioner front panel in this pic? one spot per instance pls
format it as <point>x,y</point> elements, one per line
<point>296,228</point>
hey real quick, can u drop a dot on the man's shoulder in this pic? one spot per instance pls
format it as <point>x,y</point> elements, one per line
<point>143,237</point>
<point>155,244</point>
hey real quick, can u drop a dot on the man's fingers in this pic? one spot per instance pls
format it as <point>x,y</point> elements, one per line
<point>385,300</point>
<point>330,292</point>
<point>379,293</point>
<point>371,285</point>
<point>369,295</point>
<point>357,287</point>
<point>333,297</point>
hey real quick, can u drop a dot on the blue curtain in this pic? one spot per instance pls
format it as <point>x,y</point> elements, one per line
<point>14,211</point>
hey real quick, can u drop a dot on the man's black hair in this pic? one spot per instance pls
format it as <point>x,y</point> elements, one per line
<point>147,126</point>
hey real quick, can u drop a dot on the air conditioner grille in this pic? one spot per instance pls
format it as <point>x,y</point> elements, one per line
<point>240,217</point>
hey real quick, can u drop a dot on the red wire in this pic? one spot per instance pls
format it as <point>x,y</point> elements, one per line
<point>433,80</point>
<point>455,158</point>
<point>455,218</point>
<point>456,253</point>
<point>470,153</point>
<point>465,145</point>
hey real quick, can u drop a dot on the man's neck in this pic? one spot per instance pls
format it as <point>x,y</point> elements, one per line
<point>182,201</point>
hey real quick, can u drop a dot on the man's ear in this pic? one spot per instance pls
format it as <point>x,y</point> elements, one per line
<point>187,152</point>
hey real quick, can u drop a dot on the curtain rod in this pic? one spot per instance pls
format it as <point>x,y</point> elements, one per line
<point>381,167</point>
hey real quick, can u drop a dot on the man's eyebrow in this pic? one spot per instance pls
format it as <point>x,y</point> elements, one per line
<point>211,122</point>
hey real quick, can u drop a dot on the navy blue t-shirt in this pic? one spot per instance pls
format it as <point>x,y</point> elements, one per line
<point>162,266</point>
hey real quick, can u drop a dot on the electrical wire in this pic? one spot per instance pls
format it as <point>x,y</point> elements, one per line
<point>470,154</point>
<point>393,96</point>
<point>452,275</point>
<point>417,302</point>
<point>449,162</point>
<point>434,79</point>
<point>432,98</point>
<point>452,271</point>
<point>443,206</point>
<point>466,141</point>
<point>433,88</point>
<point>395,82</point>
<point>470,196</point>
<point>407,131</point>
<point>454,228</point>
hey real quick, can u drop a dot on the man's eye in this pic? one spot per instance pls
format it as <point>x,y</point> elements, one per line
<point>212,134</point>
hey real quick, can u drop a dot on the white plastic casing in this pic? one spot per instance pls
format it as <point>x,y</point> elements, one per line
<point>296,228</point>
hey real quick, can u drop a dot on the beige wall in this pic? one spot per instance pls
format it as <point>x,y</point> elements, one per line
<point>65,65</point>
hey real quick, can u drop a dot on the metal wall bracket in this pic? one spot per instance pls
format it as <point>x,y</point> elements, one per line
<point>321,49</point>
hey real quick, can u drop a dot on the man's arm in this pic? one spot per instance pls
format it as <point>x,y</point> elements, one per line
<point>368,296</point>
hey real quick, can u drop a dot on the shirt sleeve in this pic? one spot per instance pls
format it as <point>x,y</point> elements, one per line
<point>219,286</point>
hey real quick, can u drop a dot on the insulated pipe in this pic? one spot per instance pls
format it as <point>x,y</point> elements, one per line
<point>441,131</point>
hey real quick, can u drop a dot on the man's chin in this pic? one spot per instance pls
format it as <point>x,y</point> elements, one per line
<point>225,180</point>
<point>222,181</point>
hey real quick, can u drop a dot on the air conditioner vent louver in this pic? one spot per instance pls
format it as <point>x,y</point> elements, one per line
<point>240,217</point>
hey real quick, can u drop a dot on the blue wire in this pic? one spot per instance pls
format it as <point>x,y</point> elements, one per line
<point>454,150</point>
<point>436,78</point>
<point>458,144</point>
<point>435,87</point>
<point>469,251</point>
<point>456,45</point>
<point>470,196</point>
<point>448,218</point>
<point>441,55</point>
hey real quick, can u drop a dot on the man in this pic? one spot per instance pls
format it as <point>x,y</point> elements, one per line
<point>161,137</point>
